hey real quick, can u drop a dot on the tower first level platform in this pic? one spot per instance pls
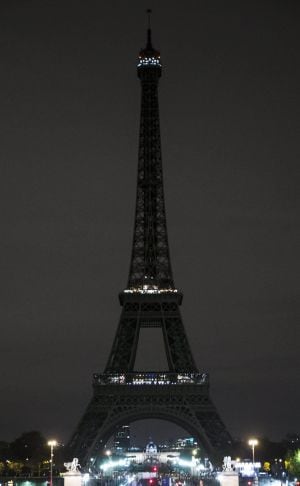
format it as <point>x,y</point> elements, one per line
<point>121,398</point>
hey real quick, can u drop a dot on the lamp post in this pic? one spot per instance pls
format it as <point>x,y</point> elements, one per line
<point>253,443</point>
<point>51,443</point>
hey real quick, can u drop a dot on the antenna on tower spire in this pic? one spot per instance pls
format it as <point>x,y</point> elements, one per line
<point>149,12</point>
<point>149,43</point>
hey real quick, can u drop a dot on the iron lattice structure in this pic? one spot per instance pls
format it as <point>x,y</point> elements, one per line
<point>122,395</point>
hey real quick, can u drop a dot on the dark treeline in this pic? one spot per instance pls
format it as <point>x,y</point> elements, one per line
<point>266,449</point>
<point>28,454</point>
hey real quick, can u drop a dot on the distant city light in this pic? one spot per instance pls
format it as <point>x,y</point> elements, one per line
<point>253,442</point>
<point>52,443</point>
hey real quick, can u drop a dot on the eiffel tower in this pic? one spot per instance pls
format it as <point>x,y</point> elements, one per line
<point>180,394</point>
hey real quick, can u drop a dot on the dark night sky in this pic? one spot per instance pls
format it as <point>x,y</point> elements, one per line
<point>69,115</point>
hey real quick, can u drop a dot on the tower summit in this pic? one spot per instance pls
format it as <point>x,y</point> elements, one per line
<point>123,394</point>
<point>150,268</point>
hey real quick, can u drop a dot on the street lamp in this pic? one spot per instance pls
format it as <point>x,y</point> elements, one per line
<point>51,443</point>
<point>253,443</point>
